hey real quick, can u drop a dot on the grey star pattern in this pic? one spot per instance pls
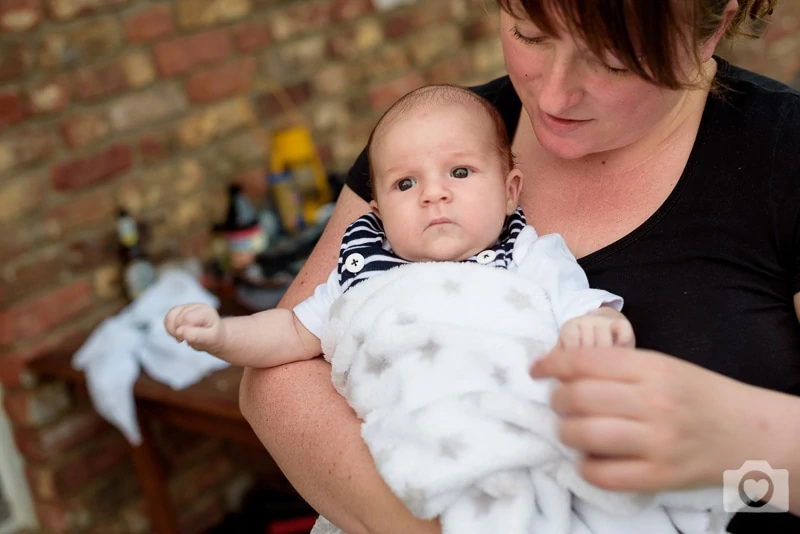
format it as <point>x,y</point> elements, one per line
<point>451,287</point>
<point>376,365</point>
<point>483,503</point>
<point>359,338</point>
<point>415,500</point>
<point>430,350</point>
<point>518,299</point>
<point>451,447</point>
<point>513,428</point>
<point>500,375</point>
<point>405,319</point>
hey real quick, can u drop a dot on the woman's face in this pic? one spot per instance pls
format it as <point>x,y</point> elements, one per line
<point>579,104</point>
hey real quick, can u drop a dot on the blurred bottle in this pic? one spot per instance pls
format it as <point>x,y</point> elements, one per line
<point>293,150</point>
<point>288,201</point>
<point>137,268</point>
<point>243,231</point>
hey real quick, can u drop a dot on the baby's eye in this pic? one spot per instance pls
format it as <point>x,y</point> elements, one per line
<point>460,172</point>
<point>406,184</point>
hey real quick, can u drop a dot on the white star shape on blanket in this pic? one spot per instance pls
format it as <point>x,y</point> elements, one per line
<point>451,447</point>
<point>336,308</point>
<point>376,365</point>
<point>518,299</point>
<point>430,350</point>
<point>532,347</point>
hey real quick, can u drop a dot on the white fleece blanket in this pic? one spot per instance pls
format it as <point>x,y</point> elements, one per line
<point>434,358</point>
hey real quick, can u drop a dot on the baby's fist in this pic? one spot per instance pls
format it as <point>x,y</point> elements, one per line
<point>606,328</point>
<point>197,324</point>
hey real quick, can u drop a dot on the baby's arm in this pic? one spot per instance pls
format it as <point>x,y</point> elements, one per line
<point>265,339</point>
<point>603,327</point>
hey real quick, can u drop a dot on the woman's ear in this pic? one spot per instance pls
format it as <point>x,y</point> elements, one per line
<point>707,49</point>
<point>513,189</point>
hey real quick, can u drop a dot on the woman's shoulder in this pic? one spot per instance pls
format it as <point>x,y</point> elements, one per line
<point>753,97</point>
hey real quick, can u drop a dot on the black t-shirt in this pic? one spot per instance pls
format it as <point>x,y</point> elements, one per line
<point>710,276</point>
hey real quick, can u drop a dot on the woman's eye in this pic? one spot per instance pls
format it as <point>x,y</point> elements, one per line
<point>460,172</point>
<point>405,184</point>
<point>526,39</point>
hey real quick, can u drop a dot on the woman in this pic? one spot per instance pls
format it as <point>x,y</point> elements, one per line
<point>675,179</point>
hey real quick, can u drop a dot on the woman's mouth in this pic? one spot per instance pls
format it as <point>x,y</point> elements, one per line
<point>561,125</point>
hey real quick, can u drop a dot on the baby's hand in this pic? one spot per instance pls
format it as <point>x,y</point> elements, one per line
<point>198,324</point>
<point>610,329</point>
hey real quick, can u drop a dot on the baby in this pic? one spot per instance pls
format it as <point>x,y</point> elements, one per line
<point>445,190</point>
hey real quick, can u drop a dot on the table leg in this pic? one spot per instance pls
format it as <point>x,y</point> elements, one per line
<point>153,481</point>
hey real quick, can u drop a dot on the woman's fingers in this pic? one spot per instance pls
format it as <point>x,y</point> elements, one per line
<point>622,474</point>
<point>591,397</point>
<point>604,436</point>
<point>620,364</point>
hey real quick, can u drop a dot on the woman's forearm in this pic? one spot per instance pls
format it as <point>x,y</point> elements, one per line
<point>315,438</point>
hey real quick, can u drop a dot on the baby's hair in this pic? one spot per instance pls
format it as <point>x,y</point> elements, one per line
<point>440,95</point>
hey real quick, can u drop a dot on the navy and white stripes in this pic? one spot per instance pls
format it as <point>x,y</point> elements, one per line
<point>365,251</point>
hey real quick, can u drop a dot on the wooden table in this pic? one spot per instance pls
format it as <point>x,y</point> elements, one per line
<point>210,406</point>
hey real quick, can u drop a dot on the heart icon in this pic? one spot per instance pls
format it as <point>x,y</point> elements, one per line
<point>756,489</point>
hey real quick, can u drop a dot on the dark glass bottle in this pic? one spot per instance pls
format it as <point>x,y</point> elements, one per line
<point>137,269</point>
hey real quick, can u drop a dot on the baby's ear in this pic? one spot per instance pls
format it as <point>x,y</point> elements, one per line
<point>374,206</point>
<point>513,189</point>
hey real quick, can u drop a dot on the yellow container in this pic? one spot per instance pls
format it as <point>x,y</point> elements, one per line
<point>293,150</point>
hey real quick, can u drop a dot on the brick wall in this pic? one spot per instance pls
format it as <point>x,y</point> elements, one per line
<point>156,106</point>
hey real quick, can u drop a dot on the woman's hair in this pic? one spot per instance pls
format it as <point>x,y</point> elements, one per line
<point>441,95</point>
<point>643,34</point>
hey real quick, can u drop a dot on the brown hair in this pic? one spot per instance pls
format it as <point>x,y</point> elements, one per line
<point>643,34</point>
<point>439,95</point>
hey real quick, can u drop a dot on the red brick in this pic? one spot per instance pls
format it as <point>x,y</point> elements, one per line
<point>15,60</point>
<point>158,145</point>
<point>300,18</point>
<point>27,145</point>
<point>92,250</point>
<point>13,372</point>
<point>251,36</point>
<point>94,82</point>
<point>344,10</point>
<point>83,211</point>
<point>12,108</point>
<point>185,53</point>
<point>37,316</point>
<point>63,478</point>
<point>73,45</point>
<point>149,24</point>
<point>271,107</point>
<point>100,166</point>
<point>38,406</point>
<point>44,443</point>
<point>457,66</point>
<point>85,128</point>
<point>398,26</point>
<point>221,81</point>
<point>36,272</point>
<point>383,95</point>
<point>253,182</point>
<point>69,9</point>
<point>49,97</point>
<point>19,15</point>
<point>195,245</point>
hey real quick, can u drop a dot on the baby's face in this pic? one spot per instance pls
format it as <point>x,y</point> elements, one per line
<point>440,187</point>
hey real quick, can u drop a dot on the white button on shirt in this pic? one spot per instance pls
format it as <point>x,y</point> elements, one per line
<point>486,257</point>
<point>354,262</point>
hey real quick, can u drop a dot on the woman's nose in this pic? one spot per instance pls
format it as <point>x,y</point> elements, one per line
<point>560,86</point>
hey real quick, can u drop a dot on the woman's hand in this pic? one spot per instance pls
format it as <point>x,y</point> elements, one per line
<point>646,421</point>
